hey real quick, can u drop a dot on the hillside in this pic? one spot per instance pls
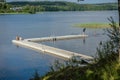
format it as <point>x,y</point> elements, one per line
<point>33,7</point>
<point>67,6</point>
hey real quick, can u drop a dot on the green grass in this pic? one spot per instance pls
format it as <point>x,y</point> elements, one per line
<point>75,73</point>
<point>93,25</point>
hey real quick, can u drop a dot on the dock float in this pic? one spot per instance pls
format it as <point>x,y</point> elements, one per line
<point>55,38</point>
<point>31,44</point>
<point>48,49</point>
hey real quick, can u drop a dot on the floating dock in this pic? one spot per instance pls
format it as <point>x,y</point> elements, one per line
<point>55,38</point>
<point>30,43</point>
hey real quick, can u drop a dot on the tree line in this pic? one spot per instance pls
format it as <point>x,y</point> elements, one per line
<point>32,7</point>
<point>67,6</point>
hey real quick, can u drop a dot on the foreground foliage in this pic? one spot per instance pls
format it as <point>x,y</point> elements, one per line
<point>106,65</point>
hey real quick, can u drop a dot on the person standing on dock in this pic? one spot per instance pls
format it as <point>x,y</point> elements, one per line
<point>84,29</point>
<point>17,38</point>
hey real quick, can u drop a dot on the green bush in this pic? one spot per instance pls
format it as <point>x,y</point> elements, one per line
<point>105,66</point>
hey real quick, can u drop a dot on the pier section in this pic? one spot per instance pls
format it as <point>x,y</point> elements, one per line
<point>31,44</point>
<point>51,50</point>
<point>55,38</point>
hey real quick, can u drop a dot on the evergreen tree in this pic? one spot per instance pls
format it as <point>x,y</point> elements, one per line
<point>119,10</point>
<point>119,24</point>
<point>2,0</point>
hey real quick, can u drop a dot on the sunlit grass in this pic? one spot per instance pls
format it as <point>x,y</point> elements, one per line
<point>93,25</point>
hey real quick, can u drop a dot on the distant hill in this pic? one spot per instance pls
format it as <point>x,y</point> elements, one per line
<point>66,6</point>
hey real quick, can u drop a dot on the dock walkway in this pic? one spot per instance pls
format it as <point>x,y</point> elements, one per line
<point>48,49</point>
<point>55,38</point>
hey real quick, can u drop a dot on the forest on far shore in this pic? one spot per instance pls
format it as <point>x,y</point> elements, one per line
<point>33,7</point>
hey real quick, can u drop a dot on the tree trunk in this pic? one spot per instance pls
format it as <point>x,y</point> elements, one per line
<point>119,10</point>
<point>119,24</point>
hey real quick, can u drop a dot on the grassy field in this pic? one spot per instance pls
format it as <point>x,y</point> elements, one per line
<point>93,25</point>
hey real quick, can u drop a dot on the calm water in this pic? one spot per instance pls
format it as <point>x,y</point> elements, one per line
<point>20,63</point>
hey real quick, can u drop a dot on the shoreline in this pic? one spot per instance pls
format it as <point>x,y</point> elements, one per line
<point>12,13</point>
<point>48,11</point>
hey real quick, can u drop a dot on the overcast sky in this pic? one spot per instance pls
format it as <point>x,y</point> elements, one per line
<point>85,1</point>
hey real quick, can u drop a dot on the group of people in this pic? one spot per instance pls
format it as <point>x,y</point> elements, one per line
<point>54,39</point>
<point>18,38</point>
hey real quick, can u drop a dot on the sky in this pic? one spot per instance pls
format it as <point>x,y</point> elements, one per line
<point>85,1</point>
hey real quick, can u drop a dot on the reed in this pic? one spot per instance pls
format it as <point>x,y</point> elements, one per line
<point>94,25</point>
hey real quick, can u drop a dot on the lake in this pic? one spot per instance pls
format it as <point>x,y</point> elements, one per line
<point>18,63</point>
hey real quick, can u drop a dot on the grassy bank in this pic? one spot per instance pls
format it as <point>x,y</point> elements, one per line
<point>93,25</point>
<point>98,71</point>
